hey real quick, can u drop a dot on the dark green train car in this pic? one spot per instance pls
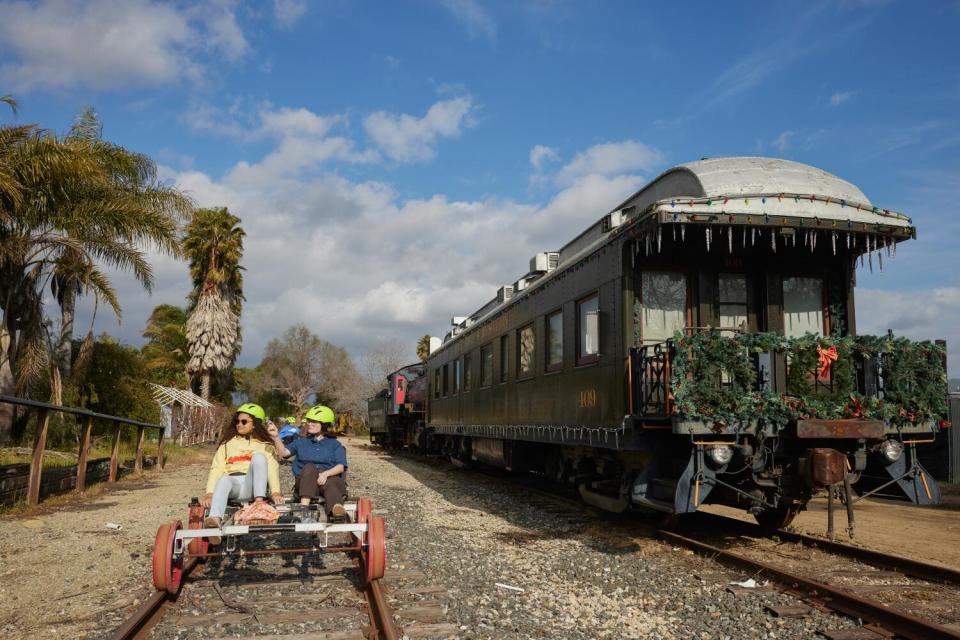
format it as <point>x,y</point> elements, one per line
<point>679,352</point>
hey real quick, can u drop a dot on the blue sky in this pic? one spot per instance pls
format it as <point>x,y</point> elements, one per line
<point>357,138</point>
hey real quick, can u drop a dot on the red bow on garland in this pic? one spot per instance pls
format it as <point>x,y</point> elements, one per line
<point>827,357</point>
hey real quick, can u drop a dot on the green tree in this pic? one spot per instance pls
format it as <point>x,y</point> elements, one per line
<point>166,352</point>
<point>71,208</point>
<point>214,246</point>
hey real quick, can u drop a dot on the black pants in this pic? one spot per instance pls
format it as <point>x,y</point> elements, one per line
<point>334,489</point>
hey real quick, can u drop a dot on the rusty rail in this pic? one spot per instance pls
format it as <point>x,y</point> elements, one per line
<point>382,626</point>
<point>139,624</point>
<point>40,442</point>
<point>898,622</point>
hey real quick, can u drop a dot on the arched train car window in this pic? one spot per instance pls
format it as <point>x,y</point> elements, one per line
<point>554,341</point>
<point>588,329</point>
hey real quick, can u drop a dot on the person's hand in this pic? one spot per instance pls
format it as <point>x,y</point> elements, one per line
<point>277,498</point>
<point>207,500</point>
<point>272,429</point>
<point>322,479</point>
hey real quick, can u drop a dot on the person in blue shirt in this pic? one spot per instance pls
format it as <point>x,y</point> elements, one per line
<point>321,461</point>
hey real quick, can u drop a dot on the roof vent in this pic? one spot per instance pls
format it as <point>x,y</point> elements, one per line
<point>520,285</point>
<point>504,293</point>
<point>456,320</point>
<point>544,262</point>
<point>614,219</point>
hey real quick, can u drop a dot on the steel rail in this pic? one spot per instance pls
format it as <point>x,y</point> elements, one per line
<point>907,566</point>
<point>382,626</point>
<point>139,624</point>
<point>898,622</point>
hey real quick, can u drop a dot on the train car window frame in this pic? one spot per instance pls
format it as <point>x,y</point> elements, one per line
<point>552,365</point>
<point>467,372</point>
<point>457,376</point>
<point>688,287</point>
<point>824,312</point>
<point>721,302</point>
<point>531,345</point>
<point>436,382</point>
<point>587,358</point>
<point>446,379</point>
<point>486,365</point>
<point>504,358</point>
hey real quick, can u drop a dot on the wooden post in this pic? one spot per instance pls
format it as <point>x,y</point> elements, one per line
<point>36,466</point>
<point>138,465</point>
<point>82,455</point>
<point>160,450</point>
<point>114,461</point>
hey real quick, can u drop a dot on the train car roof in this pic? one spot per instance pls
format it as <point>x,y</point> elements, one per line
<point>738,176</point>
<point>737,190</point>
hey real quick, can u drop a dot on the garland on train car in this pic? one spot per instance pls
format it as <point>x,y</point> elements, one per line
<point>714,378</point>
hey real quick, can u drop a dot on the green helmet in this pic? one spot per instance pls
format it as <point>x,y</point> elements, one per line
<point>291,419</point>
<point>320,413</point>
<point>253,409</point>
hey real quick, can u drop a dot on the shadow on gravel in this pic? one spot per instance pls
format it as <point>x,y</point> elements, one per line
<point>493,491</point>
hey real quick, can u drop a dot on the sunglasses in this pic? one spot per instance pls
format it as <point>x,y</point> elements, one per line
<point>244,421</point>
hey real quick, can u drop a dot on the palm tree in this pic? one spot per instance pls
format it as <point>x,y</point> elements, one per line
<point>70,208</point>
<point>167,351</point>
<point>214,246</point>
<point>423,347</point>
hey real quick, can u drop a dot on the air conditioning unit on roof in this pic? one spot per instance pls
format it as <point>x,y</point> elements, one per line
<point>520,285</point>
<point>456,320</point>
<point>544,262</point>
<point>504,293</point>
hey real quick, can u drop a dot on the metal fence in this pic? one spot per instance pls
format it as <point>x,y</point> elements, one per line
<point>40,441</point>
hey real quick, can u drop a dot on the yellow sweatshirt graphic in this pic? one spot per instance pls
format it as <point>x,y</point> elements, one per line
<point>234,456</point>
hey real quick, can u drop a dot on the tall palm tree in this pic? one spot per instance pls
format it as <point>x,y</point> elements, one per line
<point>70,208</point>
<point>214,246</point>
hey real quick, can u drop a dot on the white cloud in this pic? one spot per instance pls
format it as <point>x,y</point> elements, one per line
<point>782,141</point>
<point>287,12</point>
<point>541,154</point>
<point>610,159</point>
<point>840,97</point>
<point>106,45</point>
<point>920,314</point>
<point>406,138</point>
<point>474,17</point>
<point>355,261</point>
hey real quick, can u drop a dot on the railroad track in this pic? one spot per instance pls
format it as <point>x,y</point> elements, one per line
<point>893,596</point>
<point>303,596</point>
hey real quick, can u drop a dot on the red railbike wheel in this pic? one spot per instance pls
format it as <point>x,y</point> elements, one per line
<point>167,571</point>
<point>197,546</point>
<point>376,558</point>
<point>364,509</point>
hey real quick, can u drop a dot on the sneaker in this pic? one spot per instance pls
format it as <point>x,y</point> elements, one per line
<point>338,510</point>
<point>212,522</point>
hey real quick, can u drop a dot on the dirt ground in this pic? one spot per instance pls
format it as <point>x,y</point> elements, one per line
<point>61,564</point>
<point>931,534</point>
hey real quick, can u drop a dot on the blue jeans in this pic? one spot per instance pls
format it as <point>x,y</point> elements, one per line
<point>252,484</point>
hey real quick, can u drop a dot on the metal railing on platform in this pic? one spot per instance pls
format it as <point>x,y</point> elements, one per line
<point>40,441</point>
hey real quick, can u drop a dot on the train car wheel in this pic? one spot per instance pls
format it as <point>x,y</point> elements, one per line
<point>197,546</point>
<point>773,519</point>
<point>376,559</point>
<point>167,571</point>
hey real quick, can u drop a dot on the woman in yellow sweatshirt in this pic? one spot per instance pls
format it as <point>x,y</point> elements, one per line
<point>244,465</point>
